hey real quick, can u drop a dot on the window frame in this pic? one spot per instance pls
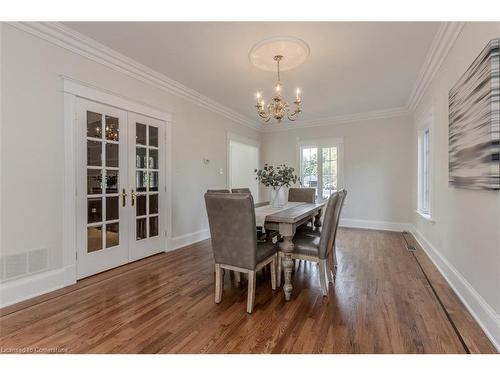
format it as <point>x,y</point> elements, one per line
<point>320,144</point>
<point>425,177</point>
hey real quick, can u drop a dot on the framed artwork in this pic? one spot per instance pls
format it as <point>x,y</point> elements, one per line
<point>474,123</point>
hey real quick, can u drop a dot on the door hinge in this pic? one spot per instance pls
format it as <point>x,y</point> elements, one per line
<point>165,233</point>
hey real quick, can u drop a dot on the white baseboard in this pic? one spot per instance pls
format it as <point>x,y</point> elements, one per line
<point>187,239</point>
<point>371,224</point>
<point>32,286</point>
<point>484,314</point>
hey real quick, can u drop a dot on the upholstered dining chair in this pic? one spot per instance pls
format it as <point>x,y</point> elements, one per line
<point>218,191</point>
<point>260,233</point>
<point>307,195</point>
<point>332,259</point>
<point>319,246</point>
<point>241,190</point>
<point>231,218</point>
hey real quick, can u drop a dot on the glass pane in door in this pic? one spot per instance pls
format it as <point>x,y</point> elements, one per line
<point>142,230</point>
<point>94,153</point>
<point>112,128</point>
<point>94,124</point>
<point>94,181</point>
<point>94,238</point>
<point>112,234</point>
<point>140,134</point>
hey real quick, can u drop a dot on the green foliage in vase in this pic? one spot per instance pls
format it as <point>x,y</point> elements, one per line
<point>276,177</point>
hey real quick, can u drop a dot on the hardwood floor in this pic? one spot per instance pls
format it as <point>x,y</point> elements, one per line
<point>385,300</point>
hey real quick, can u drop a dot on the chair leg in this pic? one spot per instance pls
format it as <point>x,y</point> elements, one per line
<point>322,276</point>
<point>251,291</point>
<point>273,272</point>
<point>334,263</point>
<point>329,272</point>
<point>218,283</point>
<point>278,276</point>
<point>237,277</point>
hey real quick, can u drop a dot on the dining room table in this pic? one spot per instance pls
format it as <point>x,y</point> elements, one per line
<point>285,220</point>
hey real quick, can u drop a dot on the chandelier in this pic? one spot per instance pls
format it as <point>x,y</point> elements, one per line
<point>278,107</point>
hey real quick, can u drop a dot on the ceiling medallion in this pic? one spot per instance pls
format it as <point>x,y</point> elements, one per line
<point>280,53</point>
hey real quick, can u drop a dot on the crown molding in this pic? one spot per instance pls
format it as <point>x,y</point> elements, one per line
<point>73,41</point>
<point>441,45</point>
<point>336,120</point>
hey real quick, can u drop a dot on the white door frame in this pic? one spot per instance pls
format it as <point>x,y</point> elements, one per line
<point>73,89</point>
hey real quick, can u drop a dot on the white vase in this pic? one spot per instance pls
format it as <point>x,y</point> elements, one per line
<point>277,197</point>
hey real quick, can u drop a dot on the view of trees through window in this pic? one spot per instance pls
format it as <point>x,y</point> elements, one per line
<point>319,169</point>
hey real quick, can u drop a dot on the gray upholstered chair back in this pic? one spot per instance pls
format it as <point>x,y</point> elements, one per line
<point>342,194</point>
<point>328,226</point>
<point>241,190</point>
<point>218,191</point>
<point>302,195</point>
<point>231,218</point>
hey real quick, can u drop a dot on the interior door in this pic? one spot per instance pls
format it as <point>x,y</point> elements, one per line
<point>102,181</point>
<point>147,158</point>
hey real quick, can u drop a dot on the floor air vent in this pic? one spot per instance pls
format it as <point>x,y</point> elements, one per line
<point>408,245</point>
<point>22,264</point>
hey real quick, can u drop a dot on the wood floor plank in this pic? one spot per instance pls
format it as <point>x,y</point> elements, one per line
<point>382,302</point>
<point>474,338</point>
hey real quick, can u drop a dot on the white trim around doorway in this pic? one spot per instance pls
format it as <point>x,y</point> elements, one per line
<point>73,89</point>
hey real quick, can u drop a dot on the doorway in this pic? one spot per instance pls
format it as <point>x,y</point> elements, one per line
<point>121,186</point>
<point>243,156</point>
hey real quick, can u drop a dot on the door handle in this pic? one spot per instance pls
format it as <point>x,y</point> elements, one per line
<point>124,196</point>
<point>132,195</point>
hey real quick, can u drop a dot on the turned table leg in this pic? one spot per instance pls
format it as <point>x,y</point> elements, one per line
<point>317,219</point>
<point>286,230</point>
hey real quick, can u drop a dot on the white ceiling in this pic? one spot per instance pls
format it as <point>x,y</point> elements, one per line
<point>353,67</point>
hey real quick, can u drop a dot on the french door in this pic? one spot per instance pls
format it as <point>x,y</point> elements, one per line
<point>120,187</point>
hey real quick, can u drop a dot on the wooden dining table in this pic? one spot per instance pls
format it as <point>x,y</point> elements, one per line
<point>286,222</point>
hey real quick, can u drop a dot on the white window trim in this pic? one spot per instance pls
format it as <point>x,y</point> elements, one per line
<point>426,123</point>
<point>324,142</point>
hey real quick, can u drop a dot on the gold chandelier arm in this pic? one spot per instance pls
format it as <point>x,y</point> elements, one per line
<point>266,115</point>
<point>292,116</point>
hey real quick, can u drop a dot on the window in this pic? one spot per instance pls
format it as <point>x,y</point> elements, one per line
<point>424,175</point>
<point>320,166</point>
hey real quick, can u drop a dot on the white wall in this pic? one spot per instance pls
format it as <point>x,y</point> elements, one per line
<point>32,142</point>
<point>377,156</point>
<point>464,241</point>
